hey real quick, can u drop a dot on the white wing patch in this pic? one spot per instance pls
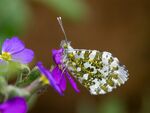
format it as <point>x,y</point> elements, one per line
<point>92,55</point>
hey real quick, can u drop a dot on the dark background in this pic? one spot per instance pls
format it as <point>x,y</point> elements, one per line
<point>121,27</point>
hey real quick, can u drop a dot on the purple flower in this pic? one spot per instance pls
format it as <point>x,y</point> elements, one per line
<point>14,105</point>
<point>57,79</point>
<point>60,73</point>
<point>60,78</point>
<point>50,78</point>
<point>14,50</point>
<point>57,55</point>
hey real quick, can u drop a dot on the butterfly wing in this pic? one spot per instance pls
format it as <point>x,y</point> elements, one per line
<point>99,72</point>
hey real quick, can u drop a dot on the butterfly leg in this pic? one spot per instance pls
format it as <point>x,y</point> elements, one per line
<point>64,69</point>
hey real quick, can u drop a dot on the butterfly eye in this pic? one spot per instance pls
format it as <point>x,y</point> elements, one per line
<point>65,47</point>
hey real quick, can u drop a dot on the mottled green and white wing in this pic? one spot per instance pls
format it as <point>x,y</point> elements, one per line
<point>99,72</point>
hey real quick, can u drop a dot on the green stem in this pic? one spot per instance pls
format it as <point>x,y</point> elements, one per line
<point>34,86</point>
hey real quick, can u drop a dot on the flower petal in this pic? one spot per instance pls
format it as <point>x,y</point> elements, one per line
<point>72,82</point>
<point>49,76</point>
<point>57,55</point>
<point>13,45</point>
<point>24,56</point>
<point>14,105</point>
<point>59,77</point>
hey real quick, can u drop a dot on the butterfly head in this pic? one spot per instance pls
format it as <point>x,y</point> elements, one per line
<point>66,45</point>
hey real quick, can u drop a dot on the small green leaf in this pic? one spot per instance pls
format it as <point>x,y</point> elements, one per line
<point>30,78</point>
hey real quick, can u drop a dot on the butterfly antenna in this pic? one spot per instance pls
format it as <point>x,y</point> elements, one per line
<point>62,28</point>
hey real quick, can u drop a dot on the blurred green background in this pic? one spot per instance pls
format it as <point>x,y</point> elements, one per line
<point>119,26</point>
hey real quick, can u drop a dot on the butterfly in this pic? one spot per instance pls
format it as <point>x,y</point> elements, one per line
<point>99,72</point>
